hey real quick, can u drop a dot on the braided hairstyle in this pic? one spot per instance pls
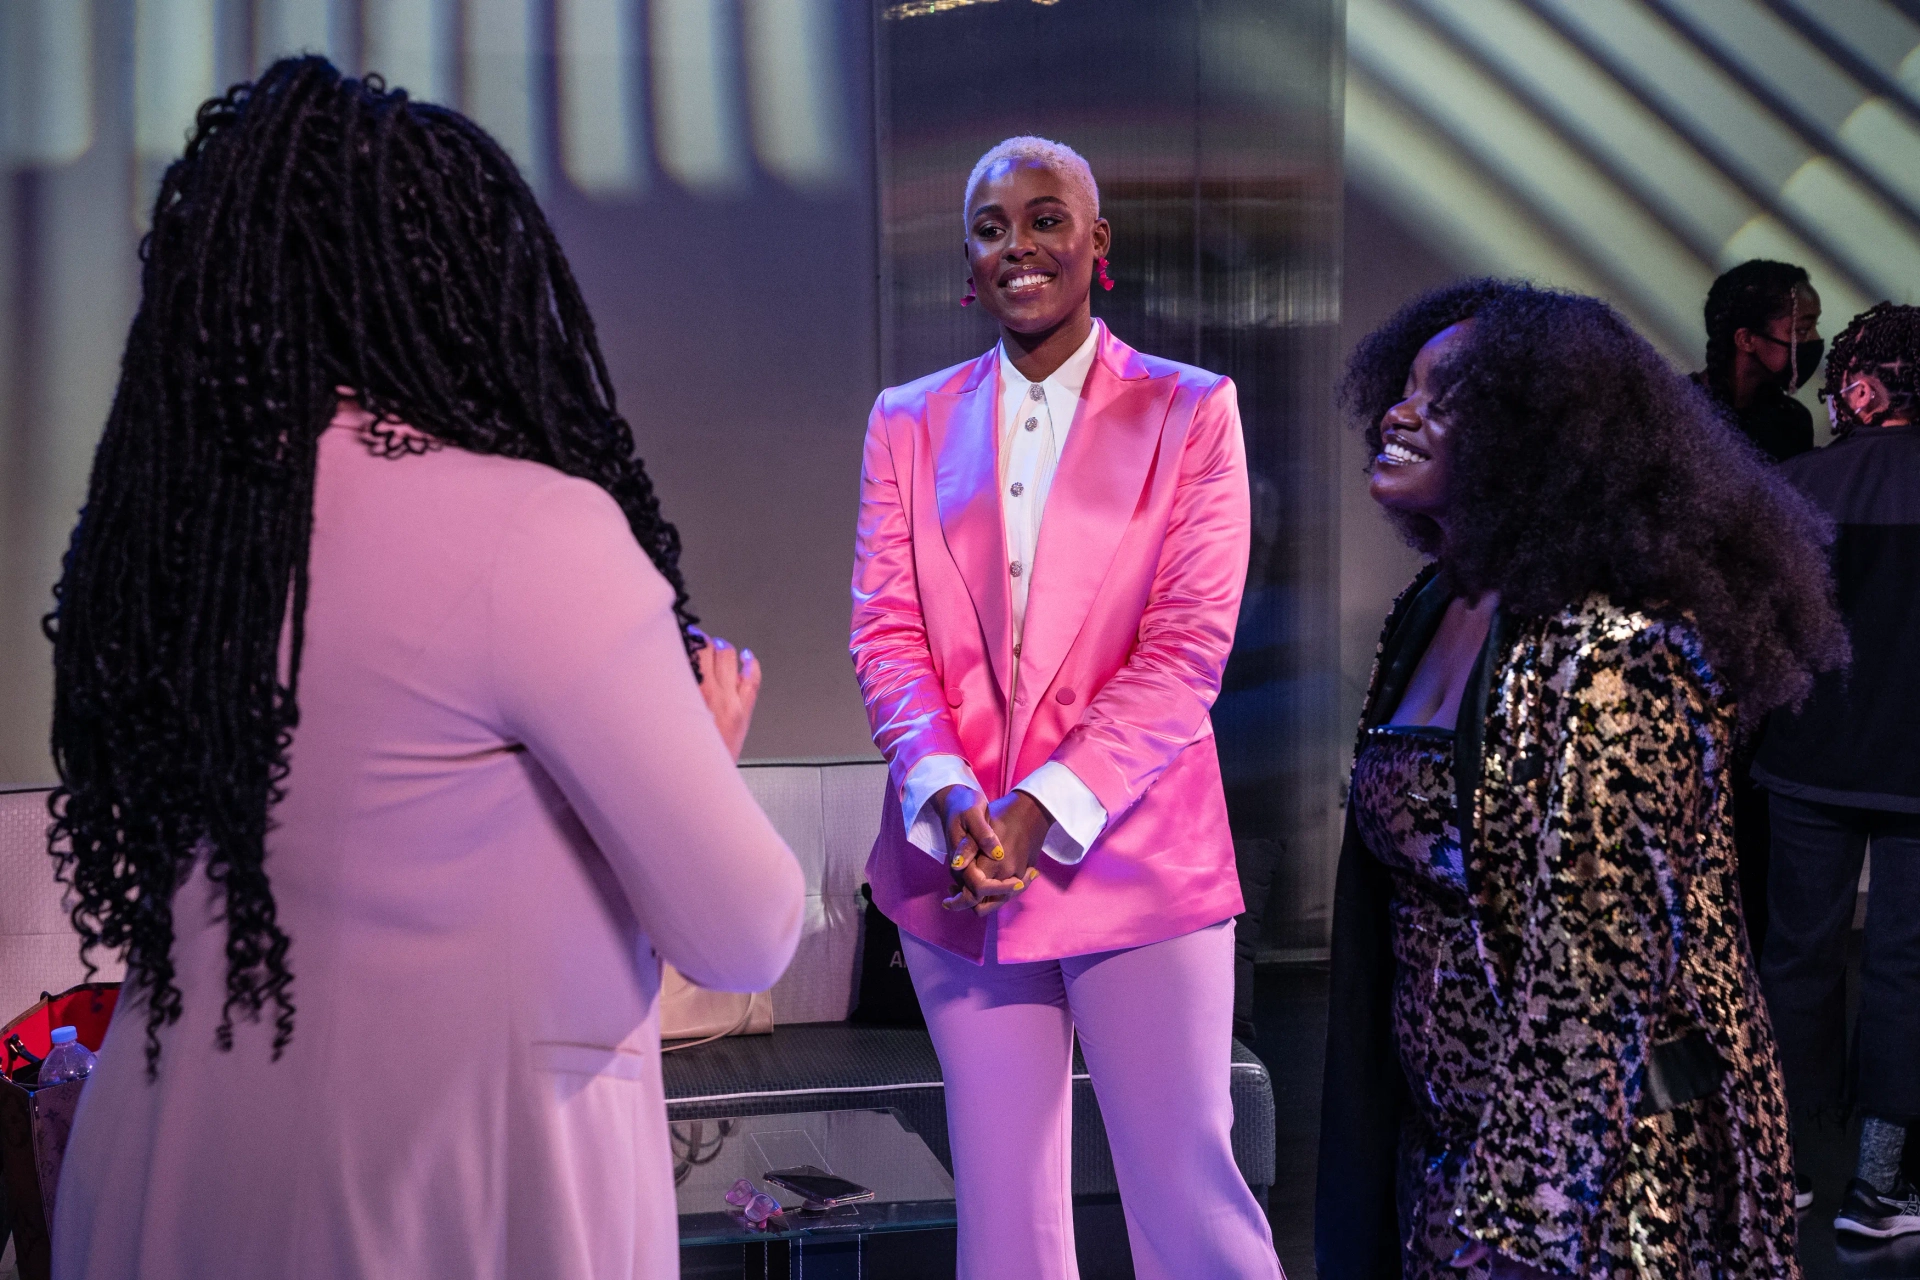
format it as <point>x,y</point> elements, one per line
<point>1883,341</point>
<point>1750,296</point>
<point>320,235</point>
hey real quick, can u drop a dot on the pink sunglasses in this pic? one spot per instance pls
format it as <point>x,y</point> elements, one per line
<point>755,1206</point>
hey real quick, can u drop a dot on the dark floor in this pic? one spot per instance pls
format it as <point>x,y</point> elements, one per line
<point>1291,1021</point>
<point>1826,1152</point>
<point>1290,1018</point>
<point>1290,1036</point>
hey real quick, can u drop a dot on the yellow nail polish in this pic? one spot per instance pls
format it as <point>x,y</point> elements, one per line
<point>1018,885</point>
<point>999,854</point>
<point>959,861</point>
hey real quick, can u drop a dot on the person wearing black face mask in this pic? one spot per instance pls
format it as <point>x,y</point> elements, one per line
<point>1763,342</point>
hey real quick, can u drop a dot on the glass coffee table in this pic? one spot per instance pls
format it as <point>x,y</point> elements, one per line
<point>912,1192</point>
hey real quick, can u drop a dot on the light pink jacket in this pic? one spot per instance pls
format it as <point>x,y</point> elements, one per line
<point>507,802</point>
<point>1136,587</point>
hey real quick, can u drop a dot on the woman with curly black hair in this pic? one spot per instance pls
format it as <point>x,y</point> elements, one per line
<point>1547,1053</point>
<point>376,713</point>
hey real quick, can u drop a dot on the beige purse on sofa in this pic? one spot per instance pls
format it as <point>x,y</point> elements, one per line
<point>694,1015</point>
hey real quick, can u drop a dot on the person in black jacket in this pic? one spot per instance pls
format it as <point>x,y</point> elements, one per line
<point>1763,342</point>
<point>1844,772</point>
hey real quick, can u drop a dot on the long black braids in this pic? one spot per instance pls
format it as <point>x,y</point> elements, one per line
<point>1884,341</point>
<point>319,235</point>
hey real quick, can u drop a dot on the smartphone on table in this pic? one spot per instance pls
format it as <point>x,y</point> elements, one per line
<point>822,1190</point>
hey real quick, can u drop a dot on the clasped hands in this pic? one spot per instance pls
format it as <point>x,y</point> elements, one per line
<point>991,848</point>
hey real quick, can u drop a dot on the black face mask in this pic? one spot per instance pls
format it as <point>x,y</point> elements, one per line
<point>1805,359</point>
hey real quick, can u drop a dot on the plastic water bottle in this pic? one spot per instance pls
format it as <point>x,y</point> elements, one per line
<point>67,1060</point>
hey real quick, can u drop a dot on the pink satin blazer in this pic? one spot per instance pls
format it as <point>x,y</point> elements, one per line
<point>1135,591</point>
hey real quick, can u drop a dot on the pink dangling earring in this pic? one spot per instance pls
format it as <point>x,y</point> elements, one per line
<point>967,300</point>
<point>1104,282</point>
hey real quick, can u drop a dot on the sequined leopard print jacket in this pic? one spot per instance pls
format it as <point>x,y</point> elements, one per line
<point>1598,830</point>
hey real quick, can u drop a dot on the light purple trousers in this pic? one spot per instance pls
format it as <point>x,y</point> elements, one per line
<point>1155,1024</point>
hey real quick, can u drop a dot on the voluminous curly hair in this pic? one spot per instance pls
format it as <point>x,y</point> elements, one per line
<point>1583,463</point>
<point>319,234</point>
<point>1883,341</point>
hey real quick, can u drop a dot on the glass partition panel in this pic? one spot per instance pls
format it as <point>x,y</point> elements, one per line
<point>1213,130</point>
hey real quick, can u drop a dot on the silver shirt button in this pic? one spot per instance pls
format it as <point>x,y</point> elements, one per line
<point>1034,392</point>
<point>1015,569</point>
<point>1032,423</point>
<point>1017,489</point>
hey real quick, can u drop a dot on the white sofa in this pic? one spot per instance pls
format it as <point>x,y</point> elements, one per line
<point>38,950</point>
<point>829,813</point>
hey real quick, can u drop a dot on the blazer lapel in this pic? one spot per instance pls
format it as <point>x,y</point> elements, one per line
<point>964,430</point>
<point>1095,489</point>
<point>1470,739</point>
<point>1408,633</point>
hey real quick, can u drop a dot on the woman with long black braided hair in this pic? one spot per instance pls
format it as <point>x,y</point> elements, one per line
<point>1763,341</point>
<point>376,714</point>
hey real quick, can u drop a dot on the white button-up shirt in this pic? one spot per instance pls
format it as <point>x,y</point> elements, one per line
<point>1035,418</point>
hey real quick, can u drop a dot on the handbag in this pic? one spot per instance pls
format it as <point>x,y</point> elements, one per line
<point>35,1119</point>
<point>694,1015</point>
<point>887,997</point>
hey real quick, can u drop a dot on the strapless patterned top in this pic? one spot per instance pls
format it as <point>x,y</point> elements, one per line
<point>1444,1005</point>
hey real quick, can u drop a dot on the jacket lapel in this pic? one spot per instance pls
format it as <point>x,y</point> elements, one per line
<point>1408,635</point>
<point>1410,629</point>
<point>1470,739</point>
<point>1095,490</point>
<point>964,430</point>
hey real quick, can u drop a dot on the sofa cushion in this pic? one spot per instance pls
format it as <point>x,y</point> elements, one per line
<point>828,813</point>
<point>39,950</point>
<point>838,1066</point>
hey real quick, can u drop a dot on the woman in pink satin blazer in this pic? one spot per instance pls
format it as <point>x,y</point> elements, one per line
<point>1099,679</point>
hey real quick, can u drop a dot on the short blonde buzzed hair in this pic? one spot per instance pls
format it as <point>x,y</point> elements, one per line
<point>1057,156</point>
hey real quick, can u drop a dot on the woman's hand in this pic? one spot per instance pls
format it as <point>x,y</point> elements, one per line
<point>1022,823</point>
<point>730,684</point>
<point>974,851</point>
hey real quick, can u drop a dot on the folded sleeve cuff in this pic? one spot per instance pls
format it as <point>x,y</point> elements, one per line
<point>1078,815</point>
<point>928,779</point>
